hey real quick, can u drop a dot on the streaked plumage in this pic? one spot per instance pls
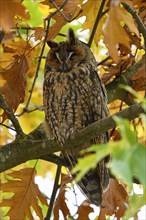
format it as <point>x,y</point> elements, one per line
<point>75,97</point>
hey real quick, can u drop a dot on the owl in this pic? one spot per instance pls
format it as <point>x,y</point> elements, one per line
<point>75,97</point>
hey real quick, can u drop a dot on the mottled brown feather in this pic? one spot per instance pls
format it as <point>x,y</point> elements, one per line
<point>75,97</point>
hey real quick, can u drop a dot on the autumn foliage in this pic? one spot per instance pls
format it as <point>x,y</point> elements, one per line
<point>115,31</point>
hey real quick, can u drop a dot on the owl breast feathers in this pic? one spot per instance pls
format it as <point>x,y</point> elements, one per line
<point>75,97</point>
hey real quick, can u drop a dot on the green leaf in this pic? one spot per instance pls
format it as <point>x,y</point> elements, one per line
<point>136,94</point>
<point>135,203</point>
<point>88,162</point>
<point>36,17</point>
<point>128,156</point>
<point>127,134</point>
<point>120,164</point>
<point>84,165</point>
<point>137,163</point>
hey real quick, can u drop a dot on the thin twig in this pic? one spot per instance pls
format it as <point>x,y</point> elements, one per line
<point>7,126</point>
<point>53,196</point>
<point>103,61</point>
<point>137,20</point>
<point>96,22</point>
<point>38,66</point>
<point>39,108</point>
<point>11,116</point>
<point>63,15</point>
<point>48,19</point>
<point>54,159</point>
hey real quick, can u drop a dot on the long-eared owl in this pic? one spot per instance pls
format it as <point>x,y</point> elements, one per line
<point>75,97</point>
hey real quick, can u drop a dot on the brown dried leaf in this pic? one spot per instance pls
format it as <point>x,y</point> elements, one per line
<point>6,59</point>
<point>139,78</point>
<point>26,195</point>
<point>9,36</point>
<point>84,210</point>
<point>140,72</point>
<point>115,70</point>
<point>68,10</point>
<point>17,48</point>
<point>13,80</point>
<point>39,33</point>
<point>114,33</point>
<point>90,10</point>
<point>139,3</point>
<point>60,203</point>
<point>115,201</point>
<point>9,11</point>
<point>116,136</point>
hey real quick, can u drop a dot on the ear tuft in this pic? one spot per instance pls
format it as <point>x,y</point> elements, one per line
<point>52,44</point>
<point>71,37</point>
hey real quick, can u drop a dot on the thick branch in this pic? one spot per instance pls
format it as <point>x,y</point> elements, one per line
<point>22,150</point>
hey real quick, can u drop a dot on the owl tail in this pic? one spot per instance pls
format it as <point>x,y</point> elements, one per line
<point>94,183</point>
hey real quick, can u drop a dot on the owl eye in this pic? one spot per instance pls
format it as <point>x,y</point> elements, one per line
<point>57,56</point>
<point>71,54</point>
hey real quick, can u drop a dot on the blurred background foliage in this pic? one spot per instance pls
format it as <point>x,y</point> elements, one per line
<point>24,26</point>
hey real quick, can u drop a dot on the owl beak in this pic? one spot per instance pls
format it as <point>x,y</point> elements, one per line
<point>65,67</point>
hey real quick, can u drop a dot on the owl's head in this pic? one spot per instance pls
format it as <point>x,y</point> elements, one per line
<point>64,56</point>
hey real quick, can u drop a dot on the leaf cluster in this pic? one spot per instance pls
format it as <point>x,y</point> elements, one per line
<point>119,47</point>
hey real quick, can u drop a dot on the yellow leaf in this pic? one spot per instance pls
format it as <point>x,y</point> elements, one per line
<point>14,48</point>
<point>90,10</point>
<point>10,9</point>
<point>26,195</point>
<point>15,82</point>
<point>127,18</point>
<point>114,33</point>
<point>68,10</point>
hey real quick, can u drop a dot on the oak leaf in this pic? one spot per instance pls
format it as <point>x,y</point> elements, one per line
<point>13,82</point>
<point>68,10</point>
<point>16,48</point>
<point>139,78</point>
<point>27,195</point>
<point>114,33</point>
<point>116,70</point>
<point>9,11</point>
<point>90,10</point>
<point>84,210</point>
<point>115,201</point>
<point>39,33</point>
<point>60,203</point>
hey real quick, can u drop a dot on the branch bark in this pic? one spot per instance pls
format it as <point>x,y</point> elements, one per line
<point>11,116</point>
<point>35,145</point>
<point>114,91</point>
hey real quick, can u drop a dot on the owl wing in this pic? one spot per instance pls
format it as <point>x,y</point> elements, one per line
<point>94,107</point>
<point>73,100</point>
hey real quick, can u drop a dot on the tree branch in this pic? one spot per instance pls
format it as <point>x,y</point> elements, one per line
<point>96,22</point>
<point>114,91</point>
<point>11,116</point>
<point>48,19</point>
<point>55,188</point>
<point>137,19</point>
<point>22,150</point>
